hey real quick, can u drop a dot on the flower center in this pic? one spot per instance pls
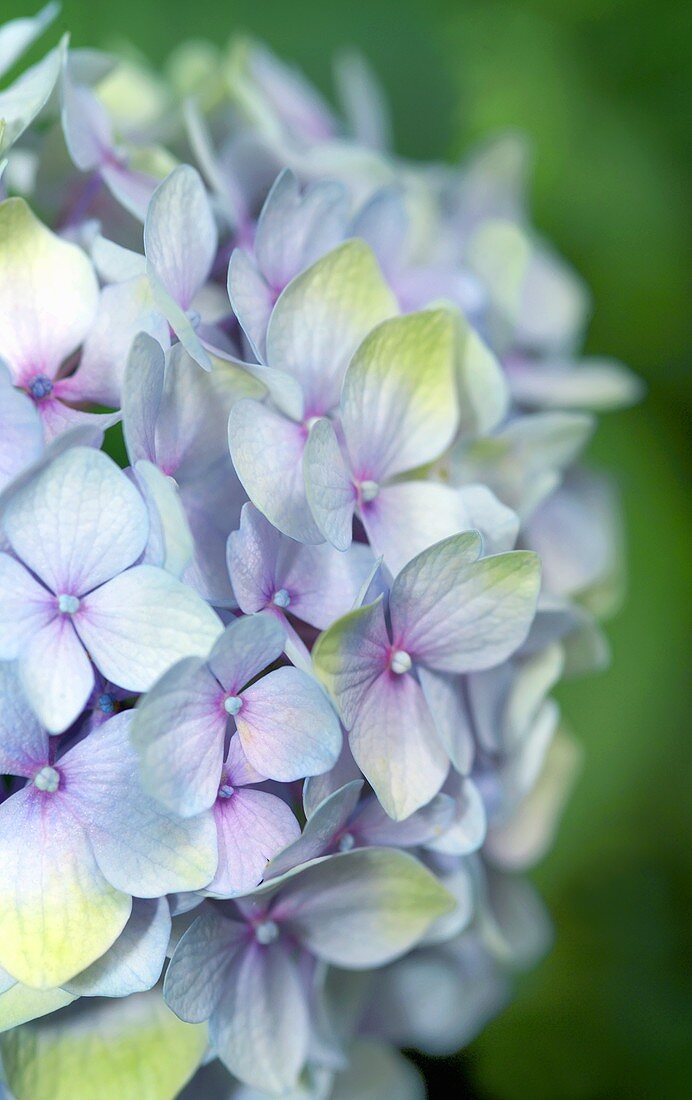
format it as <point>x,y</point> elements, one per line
<point>232,704</point>
<point>368,490</point>
<point>67,605</point>
<point>400,661</point>
<point>40,387</point>
<point>281,598</point>
<point>267,931</point>
<point>226,790</point>
<point>106,703</point>
<point>47,779</point>
<point>347,842</point>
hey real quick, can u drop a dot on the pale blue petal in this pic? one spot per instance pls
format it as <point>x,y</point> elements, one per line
<point>267,451</point>
<point>178,731</point>
<point>78,522</point>
<point>135,961</point>
<point>252,827</point>
<point>197,975</point>
<point>260,1029</point>
<point>143,621</point>
<point>247,646</point>
<point>141,848</point>
<point>321,830</point>
<point>329,485</point>
<point>288,727</point>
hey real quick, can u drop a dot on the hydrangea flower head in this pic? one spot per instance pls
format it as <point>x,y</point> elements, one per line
<point>295,543</point>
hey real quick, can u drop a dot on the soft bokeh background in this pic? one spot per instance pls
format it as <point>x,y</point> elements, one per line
<point>600,86</point>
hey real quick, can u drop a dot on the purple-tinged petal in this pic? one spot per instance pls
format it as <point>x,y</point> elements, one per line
<point>198,971</point>
<point>170,544</point>
<point>454,614</point>
<point>329,486</point>
<point>409,516</point>
<point>315,583</point>
<point>395,744</point>
<point>267,451</point>
<point>178,731</point>
<point>123,311</point>
<point>58,418</point>
<point>252,826</point>
<point>322,583</point>
<point>138,624</point>
<point>58,914</point>
<point>86,125</point>
<point>23,742</point>
<point>252,300</point>
<point>295,229</point>
<point>446,698</point>
<point>317,788</point>
<point>141,400</point>
<point>25,607</point>
<point>56,674</point>
<point>321,830</point>
<point>21,431</point>
<point>260,1029</point>
<point>597,385</point>
<point>48,295</point>
<point>140,846</point>
<point>135,961</point>
<point>78,522</point>
<point>288,727</point>
<point>180,321</point>
<point>132,188</point>
<point>322,316</point>
<point>399,406</point>
<point>246,646</point>
<point>350,656</point>
<point>180,234</point>
<point>238,769</point>
<point>373,826</point>
<point>252,554</point>
<point>191,424</point>
<point>360,909</point>
<point>467,831</point>
<point>383,222</point>
<point>459,882</point>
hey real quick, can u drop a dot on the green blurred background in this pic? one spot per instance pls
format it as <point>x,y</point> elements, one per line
<point>601,88</point>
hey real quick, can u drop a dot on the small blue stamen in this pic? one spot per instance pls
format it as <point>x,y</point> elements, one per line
<point>369,490</point>
<point>106,703</point>
<point>400,662</point>
<point>232,704</point>
<point>67,604</point>
<point>40,387</point>
<point>347,842</point>
<point>266,932</point>
<point>281,598</point>
<point>226,791</point>
<point>47,779</point>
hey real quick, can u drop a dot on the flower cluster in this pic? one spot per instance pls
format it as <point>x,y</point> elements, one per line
<point>294,545</point>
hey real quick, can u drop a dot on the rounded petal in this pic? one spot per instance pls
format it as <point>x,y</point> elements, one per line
<point>178,732</point>
<point>143,621</point>
<point>288,727</point>
<point>78,522</point>
<point>48,294</point>
<point>321,318</point>
<point>252,827</point>
<point>58,914</point>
